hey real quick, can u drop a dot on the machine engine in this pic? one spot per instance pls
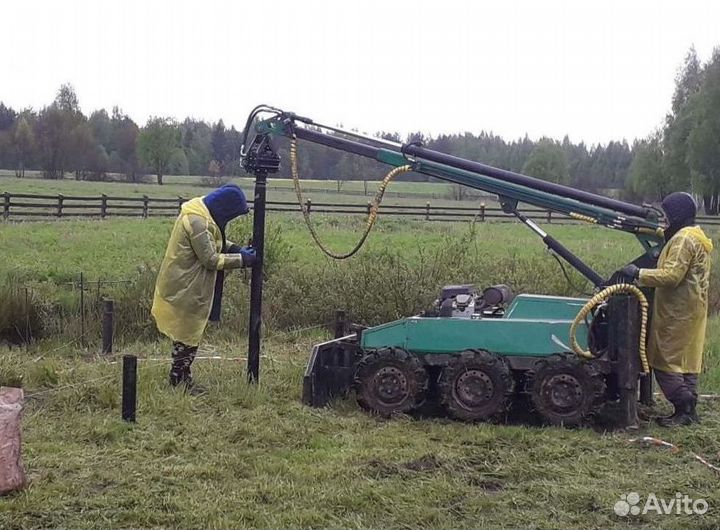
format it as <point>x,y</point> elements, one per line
<point>464,301</point>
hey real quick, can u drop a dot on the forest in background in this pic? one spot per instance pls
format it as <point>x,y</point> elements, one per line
<point>682,154</point>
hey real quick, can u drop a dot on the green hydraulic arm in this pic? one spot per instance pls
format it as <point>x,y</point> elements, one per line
<point>644,222</point>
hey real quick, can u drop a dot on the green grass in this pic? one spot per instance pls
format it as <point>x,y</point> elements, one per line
<point>398,272</point>
<point>9,181</point>
<point>319,191</point>
<point>255,457</point>
<point>245,456</point>
<point>114,248</point>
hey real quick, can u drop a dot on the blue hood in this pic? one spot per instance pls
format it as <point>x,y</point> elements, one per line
<point>679,207</point>
<point>226,203</point>
<point>680,210</point>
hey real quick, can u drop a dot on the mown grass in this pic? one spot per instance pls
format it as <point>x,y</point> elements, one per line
<point>33,180</point>
<point>255,457</point>
<point>245,456</point>
<point>318,191</point>
<point>398,272</point>
<point>60,250</point>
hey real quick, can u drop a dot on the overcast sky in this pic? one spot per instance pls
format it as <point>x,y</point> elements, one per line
<point>596,70</point>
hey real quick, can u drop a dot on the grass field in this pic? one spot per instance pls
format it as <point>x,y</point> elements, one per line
<point>251,457</point>
<point>244,456</point>
<point>398,272</point>
<point>7,177</point>
<point>115,247</point>
<point>353,192</point>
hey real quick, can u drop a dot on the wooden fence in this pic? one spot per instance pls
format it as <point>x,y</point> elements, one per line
<point>24,206</point>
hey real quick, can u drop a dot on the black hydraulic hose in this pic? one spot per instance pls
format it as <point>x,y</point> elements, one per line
<point>248,124</point>
<point>579,265</point>
<point>562,251</point>
<point>337,142</point>
<point>416,150</point>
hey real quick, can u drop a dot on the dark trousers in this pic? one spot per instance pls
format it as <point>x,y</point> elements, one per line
<point>678,388</point>
<point>182,358</point>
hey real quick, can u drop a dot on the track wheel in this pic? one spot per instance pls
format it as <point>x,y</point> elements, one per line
<point>566,389</point>
<point>390,380</point>
<point>476,385</point>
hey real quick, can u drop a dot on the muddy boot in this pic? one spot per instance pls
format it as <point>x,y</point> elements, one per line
<point>177,375</point>
<point>681,416</point>
<point>184,379</point>
<point>191,387</point>
<point>182,358</point>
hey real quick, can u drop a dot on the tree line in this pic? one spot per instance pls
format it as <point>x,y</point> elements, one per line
<point>682,155</point>
<point>60,140</point>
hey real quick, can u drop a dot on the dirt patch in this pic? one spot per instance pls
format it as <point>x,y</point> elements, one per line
<point>379,469</point>
<point>488,485</point>
<point>376,468</point>
<point>102,486</point>
<point>424,463</point>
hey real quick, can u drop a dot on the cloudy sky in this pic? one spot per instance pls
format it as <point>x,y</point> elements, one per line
<point>596,70</point>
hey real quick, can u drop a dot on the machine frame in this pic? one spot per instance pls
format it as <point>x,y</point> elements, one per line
<point>532,330</point>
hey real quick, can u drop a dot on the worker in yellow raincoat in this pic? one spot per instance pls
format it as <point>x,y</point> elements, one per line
<point>188,292</point>
<point>677,329</point>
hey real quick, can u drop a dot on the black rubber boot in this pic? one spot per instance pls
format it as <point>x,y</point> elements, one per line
<point>182,359</point>
<point>177,375</point>
<point>181,376</point>
<point>681,416</point>
<point>693,410</point>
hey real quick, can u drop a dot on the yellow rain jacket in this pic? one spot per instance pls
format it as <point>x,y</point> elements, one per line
<point>185,285</point>
<point>681,279</point>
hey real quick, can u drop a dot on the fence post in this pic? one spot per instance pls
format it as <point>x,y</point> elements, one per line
<point>129,388</point>
<point>107,325</point>
<point>6,205</point>
<point>482,212</point>
<point>145,207</point>
<point>82,309</point>
<point>646,390</point>
<point>622,345</point>
<point>427,211</point>
<point>549,216</point>
<point>60,205</point>
<point>369,207</point>
<point>308,205</point>
<point>180,203</point>
<point>340,322</point>
<point>27,319</point>
<point>103,206</point>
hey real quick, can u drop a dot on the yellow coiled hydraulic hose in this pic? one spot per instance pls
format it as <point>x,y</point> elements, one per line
<point>372,214</point>
<point>602,296</point>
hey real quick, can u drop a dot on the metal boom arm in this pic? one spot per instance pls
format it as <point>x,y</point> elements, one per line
<point>510,187</point>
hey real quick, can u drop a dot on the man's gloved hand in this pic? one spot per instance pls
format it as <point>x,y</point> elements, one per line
<point>249,256</point>
<point>630,271</point>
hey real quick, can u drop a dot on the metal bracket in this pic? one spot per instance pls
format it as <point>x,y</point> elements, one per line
<point>262,156</point>
<point>508,205</point>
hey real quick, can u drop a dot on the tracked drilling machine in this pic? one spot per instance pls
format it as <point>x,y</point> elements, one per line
<point>477,351</point>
